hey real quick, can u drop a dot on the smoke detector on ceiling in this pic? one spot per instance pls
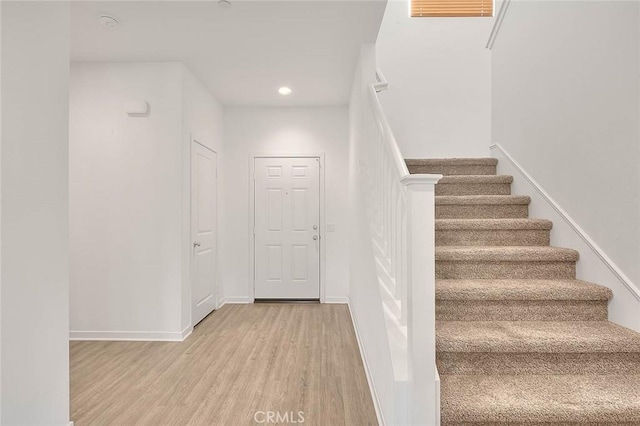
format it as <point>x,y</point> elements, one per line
<point>109,21</point>
<point>225,4</point>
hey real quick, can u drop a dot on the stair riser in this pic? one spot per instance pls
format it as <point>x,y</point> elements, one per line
<point>454,170</point>
<point>504,363</point>
<point>500,237</point>
<point>517,310</point>
<point>489,211</point>
<point>473,189</point>
<point>505,270</point>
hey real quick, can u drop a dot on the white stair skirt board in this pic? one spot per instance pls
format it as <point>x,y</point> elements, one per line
<point>594,265</point>
<point>134,336</point>
<point>372,389</point>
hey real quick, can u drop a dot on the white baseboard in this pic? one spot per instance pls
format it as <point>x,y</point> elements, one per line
<point>133,336</point>
<point>243,300</point>
<point>336,300</point>
<point>187,332</point>
<point>372,389</point>
<point>594,265</point>
<point>235,301</point>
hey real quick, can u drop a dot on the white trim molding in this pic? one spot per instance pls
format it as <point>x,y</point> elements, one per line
<point>595,265</point>
<point>186,333</point>
<point>418,179</point>
<point>239,300</point>
<point>367,370</point>
<point>132,336</point>
<point>336,300</point>
<point>497,24</point>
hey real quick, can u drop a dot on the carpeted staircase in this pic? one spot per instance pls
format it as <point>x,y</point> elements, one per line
<point>519,340</point>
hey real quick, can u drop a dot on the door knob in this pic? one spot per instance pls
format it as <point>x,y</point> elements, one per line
<point>196,244</point>
<point>315,237</point>
<point>315,227</point>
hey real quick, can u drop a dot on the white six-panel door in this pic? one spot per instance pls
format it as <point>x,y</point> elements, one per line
<point>203,231</point>
<point>287,228</point>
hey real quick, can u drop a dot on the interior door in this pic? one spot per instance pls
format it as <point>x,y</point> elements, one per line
<point>287,228</point>
<point>204,209</point>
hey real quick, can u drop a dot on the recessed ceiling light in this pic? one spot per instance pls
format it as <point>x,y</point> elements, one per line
<point>225,4</point>
<point>284,91</point>
<point>109,21</point>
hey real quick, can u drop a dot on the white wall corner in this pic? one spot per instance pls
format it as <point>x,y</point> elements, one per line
<point>594,265</point>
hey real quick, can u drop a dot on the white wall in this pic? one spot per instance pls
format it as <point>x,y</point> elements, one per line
<point>284,130</point>
<point>439,74</point>
<point>365,300</point>
<point>129,199</point>
<point>125,198</point>
<point>565,106</point>
<point>35,282</point>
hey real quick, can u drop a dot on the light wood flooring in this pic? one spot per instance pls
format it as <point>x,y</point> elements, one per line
<point>240,360</point>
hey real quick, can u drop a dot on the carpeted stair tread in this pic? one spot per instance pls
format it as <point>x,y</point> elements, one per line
<point>478,179</point>
<point>453,166</point>
<point>520,289</point>
<point>505,254</point>
<point>493,224</point>
<point>519,340</point>
<point>537,399</point>
<point>493,232</point>
<point>535,336</point>
<point>453,184</point>
<point>452,162</point>
<point>481,199</point>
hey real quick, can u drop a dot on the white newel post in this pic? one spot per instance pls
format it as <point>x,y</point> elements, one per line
<point>421,342</point>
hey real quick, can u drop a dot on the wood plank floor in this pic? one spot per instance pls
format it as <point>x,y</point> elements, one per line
<point>240,360</point>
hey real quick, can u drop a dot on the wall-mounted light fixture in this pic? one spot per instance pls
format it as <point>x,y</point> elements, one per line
<point>137,108</point>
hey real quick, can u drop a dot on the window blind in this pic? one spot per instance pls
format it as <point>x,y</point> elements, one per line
<point>451,8</point>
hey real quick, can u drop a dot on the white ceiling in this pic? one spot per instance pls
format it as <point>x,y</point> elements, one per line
<point>244,53</point>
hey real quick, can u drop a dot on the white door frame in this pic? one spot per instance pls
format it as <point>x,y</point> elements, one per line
<point>216,295</point>
<point>252,211</point>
